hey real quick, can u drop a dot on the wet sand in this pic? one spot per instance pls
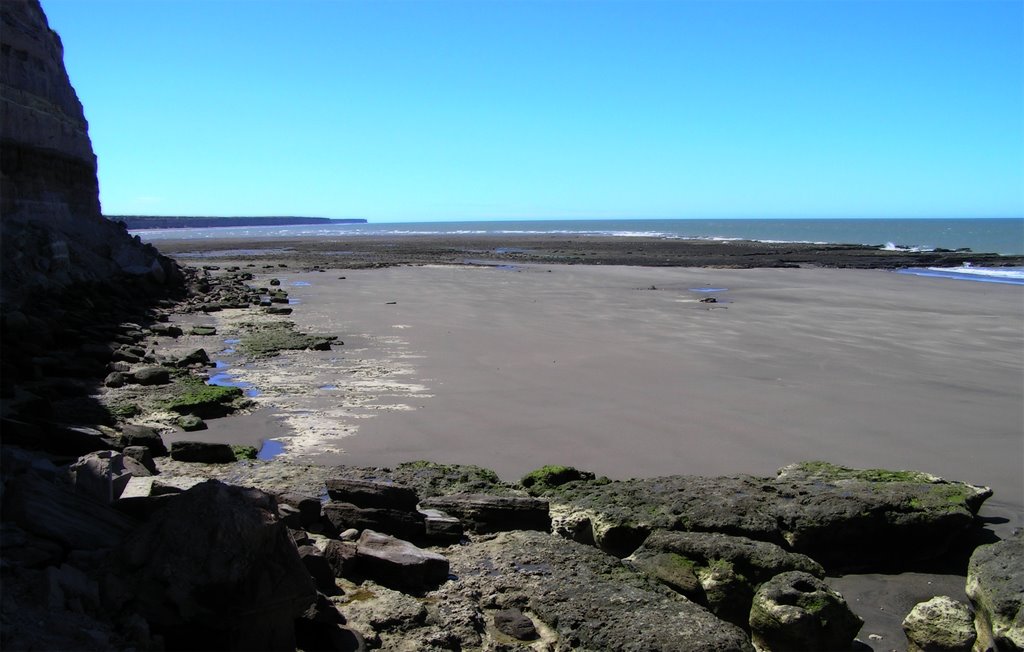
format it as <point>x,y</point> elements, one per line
<point>623,371</point>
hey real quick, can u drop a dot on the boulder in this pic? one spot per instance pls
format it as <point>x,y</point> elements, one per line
<point>846,519</point>
<point>319,569</point>
<point>341,555</point>
<point>484,513</point>
<point>114,379</point>
<point>150,376</point>
<point>995,585</point>
<point>402,524</point>
<point>370,493</point>
<point>198,356</point>
<point>101,476</point>
<point>204,452</point>
<point>514,623</point>
<point>941,624</point>
<point>135,435</point>
<point>216,569</point>
<point>204,330</point>
<point>548,477</point>
<point>399,564</point>
<point>308,507</point>
<point>190,423</point>
<point>798,611</point>
<point>142,455</point>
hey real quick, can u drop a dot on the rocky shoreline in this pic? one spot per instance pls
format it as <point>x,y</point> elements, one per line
<point>112,536</point>
<point>108,531</point>
<point>377,251</point>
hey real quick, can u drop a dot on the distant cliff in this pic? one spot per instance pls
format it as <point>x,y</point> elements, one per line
<point>195,222</point>
<point>52,232</point>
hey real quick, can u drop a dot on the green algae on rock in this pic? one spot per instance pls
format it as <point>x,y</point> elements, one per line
<point>267,339</point>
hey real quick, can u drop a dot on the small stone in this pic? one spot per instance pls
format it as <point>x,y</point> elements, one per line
<point>190,423</point>
<point>516,624</point>
<point>114,379</point>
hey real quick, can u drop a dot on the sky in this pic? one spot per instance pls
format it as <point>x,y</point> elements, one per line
<point>422,111</point>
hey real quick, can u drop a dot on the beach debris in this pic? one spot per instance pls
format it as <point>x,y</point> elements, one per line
<point>708,300</point>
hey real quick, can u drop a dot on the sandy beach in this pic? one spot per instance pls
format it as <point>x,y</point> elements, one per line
<point>625,371</point>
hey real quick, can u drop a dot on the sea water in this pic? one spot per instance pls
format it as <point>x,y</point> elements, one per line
<point>982,235</point>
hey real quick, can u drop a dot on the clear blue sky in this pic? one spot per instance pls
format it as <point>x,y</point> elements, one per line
<point>397,111</point>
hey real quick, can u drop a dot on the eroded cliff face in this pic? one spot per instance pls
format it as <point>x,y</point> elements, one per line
<point>52,231</point>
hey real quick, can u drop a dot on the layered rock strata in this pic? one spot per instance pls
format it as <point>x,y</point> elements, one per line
<point>53,234</point>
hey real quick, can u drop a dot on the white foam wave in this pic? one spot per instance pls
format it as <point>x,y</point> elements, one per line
<point>989,272</point>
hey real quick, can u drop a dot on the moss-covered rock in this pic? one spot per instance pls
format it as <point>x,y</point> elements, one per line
<point>797,611</point>
<point>548,477</point>
<point>193,396</point>
<point>267,339</point>
<point>245,452</point>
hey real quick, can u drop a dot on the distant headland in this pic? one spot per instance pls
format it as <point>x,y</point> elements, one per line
<point>194,222</point>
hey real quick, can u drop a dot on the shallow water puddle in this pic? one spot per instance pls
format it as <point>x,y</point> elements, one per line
<point>271,448</point>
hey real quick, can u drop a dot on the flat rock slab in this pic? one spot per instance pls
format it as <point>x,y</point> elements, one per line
<point>591,600</point>
<point>843,518</point>
<point>399,523</point>
<point>372,493</point>
<point>204,452</point>
<point>483,513</point>
<point>398,564</point>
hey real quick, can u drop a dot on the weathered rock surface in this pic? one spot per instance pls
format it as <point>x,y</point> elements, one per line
<point>370,493</point>
<point>430,479</point>
<point>484,513</point>
<point>842,518</point>
<point>398,564</point>
<point>798,611</point>
<point>400,523</point>
<point>216,569</point>
<point>52,232</point>
<point>995,585</point>
<point>941,624</point>
<point>590,600</point>
<point>718,571</point>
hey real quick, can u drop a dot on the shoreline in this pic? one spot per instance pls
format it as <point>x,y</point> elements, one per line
<point>377,251</point>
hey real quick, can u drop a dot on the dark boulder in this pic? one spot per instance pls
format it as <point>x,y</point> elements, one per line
<point>134,435</point>
<point>514,623</point>
<point>150,376</point>
<point>484,513</point>
<point>369,493</point>
<point>319,569</point>
<point>398,564</point>
<point>402,524</point>
<point>204,452</point>
<point>216,569</point>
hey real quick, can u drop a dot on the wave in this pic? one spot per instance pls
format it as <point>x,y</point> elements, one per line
<point>968,272</point>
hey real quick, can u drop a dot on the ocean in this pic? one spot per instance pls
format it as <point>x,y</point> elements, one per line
<point>989,235</point>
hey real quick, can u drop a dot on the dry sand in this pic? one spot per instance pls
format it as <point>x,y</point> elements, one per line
<point>514,369</point>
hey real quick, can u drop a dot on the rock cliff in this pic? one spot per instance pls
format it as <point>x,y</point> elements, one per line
<point>53,235</point>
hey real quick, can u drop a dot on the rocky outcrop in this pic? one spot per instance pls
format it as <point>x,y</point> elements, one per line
<point>995,585</point>
<point>52,232</point>
<point>842,518</point>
